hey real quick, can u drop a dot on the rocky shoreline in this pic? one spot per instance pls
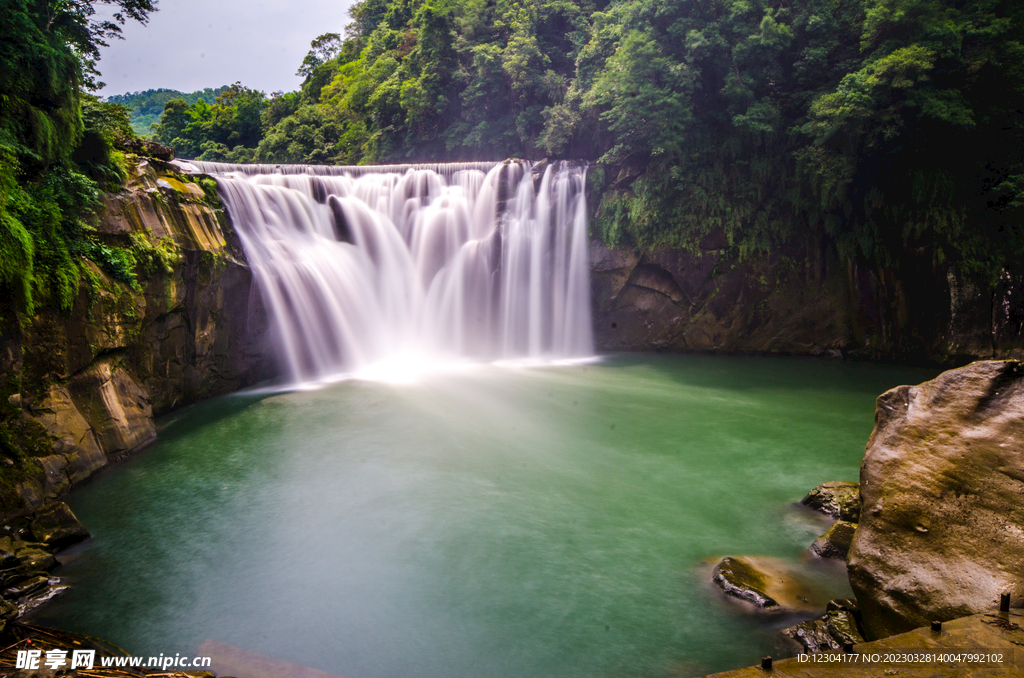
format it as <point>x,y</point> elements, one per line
<point>27,558</point>
<point>933,532</point>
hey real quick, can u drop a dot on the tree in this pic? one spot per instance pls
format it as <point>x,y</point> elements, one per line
<point>324,48</point>
<point>172,121</point>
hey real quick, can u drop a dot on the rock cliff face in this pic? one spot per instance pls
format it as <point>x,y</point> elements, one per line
<point>800,300</point>
<point>82,387</point>
<point>941,531</point>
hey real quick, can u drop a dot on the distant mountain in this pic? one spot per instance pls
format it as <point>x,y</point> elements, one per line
<point>147,106</point>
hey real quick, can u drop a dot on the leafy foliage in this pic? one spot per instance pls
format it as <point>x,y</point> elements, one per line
<point>57,144</point>
<point>226,130</point>
<point>145,107</point>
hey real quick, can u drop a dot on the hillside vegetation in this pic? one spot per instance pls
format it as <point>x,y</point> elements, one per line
<point>145,108</point>
<point>883,126</point>
<point>59,146</point>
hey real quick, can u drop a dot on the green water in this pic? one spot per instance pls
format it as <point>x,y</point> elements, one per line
<point>495,522</point>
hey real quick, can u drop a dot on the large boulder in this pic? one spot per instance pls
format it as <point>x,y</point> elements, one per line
<point>941,531</point>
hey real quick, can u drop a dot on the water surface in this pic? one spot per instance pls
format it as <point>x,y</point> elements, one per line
<point>496,521</point>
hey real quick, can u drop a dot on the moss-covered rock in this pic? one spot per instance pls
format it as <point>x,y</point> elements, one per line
<point>941,533</point>
<point>57,527</point>
<point>741,579</point>
<point>838,498</point>
<point>835,543</point>
<point>34,556</point>
<point>8,613</point>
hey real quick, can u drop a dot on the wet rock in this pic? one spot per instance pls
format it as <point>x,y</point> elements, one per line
<point>604,259</point>
<point>8,613</point>
<point>835,543</point>
<point>811,637</point>
<point>34,556</point>
<point>17,576</point>
<point>739,578</point>
<point>57,526</point>
<point>842,625</point>
<point>941,534</point>
<point>828,633</point>
<point>7,557</point>
<point>26,587</point>
<point>837,498</point>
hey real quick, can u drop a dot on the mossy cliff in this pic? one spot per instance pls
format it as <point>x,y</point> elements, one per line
<point>172,320</point>
<point>800,299</point>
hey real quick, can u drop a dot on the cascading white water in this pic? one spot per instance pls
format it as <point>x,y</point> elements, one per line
<point>359,265</point>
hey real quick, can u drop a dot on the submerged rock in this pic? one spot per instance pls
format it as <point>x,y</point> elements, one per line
<point>838,498</point>
<point>769,584</point>
<point>58,527</point>
<point>741,579</point>
<point>941,533</point>
<point>835,543</point>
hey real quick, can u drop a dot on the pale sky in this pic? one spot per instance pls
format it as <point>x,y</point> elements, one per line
<point>192,44</point>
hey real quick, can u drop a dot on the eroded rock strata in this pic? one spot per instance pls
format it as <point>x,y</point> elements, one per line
<point>800,300</point>
<point>81,387</point>
<point>941,533</point>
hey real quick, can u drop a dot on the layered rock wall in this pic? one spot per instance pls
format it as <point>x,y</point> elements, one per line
<point>801,299</point>
<point>82,387</point>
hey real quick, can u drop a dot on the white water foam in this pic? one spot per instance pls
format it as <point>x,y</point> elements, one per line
<point>385,272</point>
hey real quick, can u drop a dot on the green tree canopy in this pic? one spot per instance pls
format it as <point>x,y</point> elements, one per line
<point>55,141</point>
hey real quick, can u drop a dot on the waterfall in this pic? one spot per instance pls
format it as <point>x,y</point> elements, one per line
<point>359,265</point>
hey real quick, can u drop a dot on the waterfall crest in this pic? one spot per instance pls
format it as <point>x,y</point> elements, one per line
<point>359,265</point>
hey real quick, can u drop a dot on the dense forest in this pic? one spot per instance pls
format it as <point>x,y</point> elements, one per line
<point>885,126</point>
<point>145,108</point>
<point>59,147</point>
